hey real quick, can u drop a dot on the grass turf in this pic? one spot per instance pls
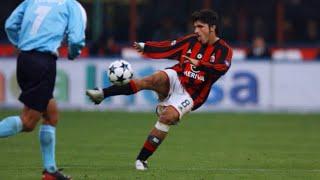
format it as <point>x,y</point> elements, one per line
<point>104,145</point>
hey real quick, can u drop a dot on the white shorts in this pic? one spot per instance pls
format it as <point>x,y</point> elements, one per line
<point>178,97</point>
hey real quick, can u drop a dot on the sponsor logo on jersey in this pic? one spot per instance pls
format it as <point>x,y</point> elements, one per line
<point>194,68</point>
<point>193,75</point>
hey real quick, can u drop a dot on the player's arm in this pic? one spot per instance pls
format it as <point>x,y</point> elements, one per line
<point>76,29</point>
<point>164,49</point>
<point>220,66</point>
<point>13,23</point>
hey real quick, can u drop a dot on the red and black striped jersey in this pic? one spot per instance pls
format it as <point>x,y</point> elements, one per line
<point>214,61</point>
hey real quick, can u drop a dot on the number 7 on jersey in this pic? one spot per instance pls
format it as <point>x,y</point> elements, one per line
<point>41,12</point>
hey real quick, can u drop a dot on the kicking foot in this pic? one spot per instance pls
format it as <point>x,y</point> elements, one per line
<point>141,165</point>
<point>95,95</point>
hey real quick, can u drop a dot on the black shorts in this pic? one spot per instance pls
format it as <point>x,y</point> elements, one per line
<point>36,75</point>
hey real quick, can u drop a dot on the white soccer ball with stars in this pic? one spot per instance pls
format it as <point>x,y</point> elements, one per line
<point>120,72</point>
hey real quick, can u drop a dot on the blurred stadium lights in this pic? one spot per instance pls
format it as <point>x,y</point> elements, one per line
<point>132,4</point>
<point>287,24</point>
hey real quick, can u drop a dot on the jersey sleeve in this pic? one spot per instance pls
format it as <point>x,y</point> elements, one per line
<point>221,64</point>
<point>76,28</point>
<point>13,23</point>
<point>167,49</point>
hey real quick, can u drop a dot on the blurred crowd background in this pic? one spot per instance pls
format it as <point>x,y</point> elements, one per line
<point>257,29</point>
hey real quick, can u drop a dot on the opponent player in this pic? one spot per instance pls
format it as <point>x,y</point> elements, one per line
<point>203,58</point>
<point>36,28</point>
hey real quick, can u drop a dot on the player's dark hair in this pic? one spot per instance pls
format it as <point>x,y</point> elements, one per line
<point>206,16</point>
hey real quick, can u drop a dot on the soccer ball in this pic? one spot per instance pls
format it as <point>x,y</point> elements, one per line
<point>120,72</point>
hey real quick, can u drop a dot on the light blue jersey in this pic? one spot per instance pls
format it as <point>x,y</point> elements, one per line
<point>42,25</point>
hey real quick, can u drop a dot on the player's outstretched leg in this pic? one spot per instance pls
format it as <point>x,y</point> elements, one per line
<point>98,95</point>
<point>10,126</point>
<point>14,124</point>
<point>168,117</point>
<point>158,82</point>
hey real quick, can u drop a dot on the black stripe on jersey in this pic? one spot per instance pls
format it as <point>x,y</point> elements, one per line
<point>168,54</point>
<point>176,55</point>
<point>224,53</point>
<point>178,44</point>
<point>196,95</point>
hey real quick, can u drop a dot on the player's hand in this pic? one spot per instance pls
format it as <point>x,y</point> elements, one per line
<point>74,50</point>
<point>139,46</point>
<point>191,60</point>
<point>72,54</point>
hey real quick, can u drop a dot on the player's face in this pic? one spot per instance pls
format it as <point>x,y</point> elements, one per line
<point>203,31</point>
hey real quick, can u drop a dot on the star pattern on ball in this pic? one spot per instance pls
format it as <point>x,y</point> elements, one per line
<point>120,78</point>
<point>124,66</point>
<point>111,69</point>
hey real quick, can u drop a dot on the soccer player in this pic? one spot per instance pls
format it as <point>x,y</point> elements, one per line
<point>37,28</point>
<point>202,58</point>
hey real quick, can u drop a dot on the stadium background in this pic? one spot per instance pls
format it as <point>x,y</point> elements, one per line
<point>280,79</point>
<point>275,135</point>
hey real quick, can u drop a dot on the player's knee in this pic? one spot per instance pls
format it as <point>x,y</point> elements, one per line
<point>30,121</point>
<point>168,121</point>
<point>51,119</point>
<point>51,115</point>
<point>169,118</point>
<point>29,126</point>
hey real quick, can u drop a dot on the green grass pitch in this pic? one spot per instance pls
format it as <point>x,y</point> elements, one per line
<point>104,145</point>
